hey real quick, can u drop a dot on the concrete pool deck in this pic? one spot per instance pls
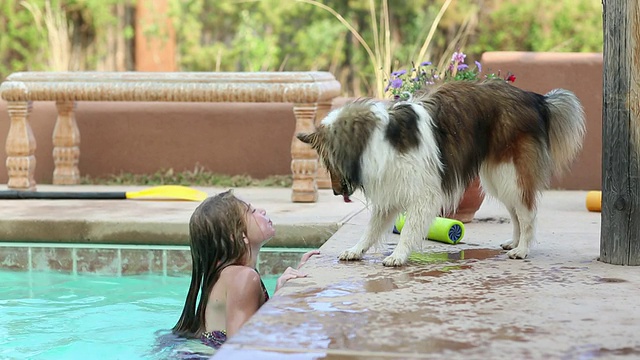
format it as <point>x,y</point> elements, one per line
<point>465,301</point>
<point>162,222</point>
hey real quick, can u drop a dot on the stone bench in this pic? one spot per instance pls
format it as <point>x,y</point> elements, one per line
<point>310,92</point>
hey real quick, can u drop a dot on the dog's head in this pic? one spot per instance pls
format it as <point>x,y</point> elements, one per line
<point>339,182</point>
<point>341,139</point>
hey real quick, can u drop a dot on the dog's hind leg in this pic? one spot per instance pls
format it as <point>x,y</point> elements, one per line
<point>379,223</point>
<point>533,171</point>
<point>515,239</point>
<point>501,181</point>
<point>416,227</point>
<point>527,219</point>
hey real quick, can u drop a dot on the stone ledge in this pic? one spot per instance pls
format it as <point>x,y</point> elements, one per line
<point>283,86</point>
<point>148,233</point>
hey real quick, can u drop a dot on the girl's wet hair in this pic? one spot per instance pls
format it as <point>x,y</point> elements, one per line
<point>216,231</point>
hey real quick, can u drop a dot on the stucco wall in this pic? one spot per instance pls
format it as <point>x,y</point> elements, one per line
<point>228,138</point>
<point>578,72</point>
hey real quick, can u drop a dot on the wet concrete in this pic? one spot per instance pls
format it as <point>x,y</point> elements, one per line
<point>465,301</point>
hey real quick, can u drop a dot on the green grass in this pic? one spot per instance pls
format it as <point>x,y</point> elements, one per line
<point>197,177</point>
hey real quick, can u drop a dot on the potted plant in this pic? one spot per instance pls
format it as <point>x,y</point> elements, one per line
<point>403,84</point>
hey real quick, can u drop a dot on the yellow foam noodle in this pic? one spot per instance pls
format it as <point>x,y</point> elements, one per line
<point>170,192</point>
<point>442,229</point>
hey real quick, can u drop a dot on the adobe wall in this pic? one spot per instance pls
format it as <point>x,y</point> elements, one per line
<point>115,137</point>
<point>578,72</point>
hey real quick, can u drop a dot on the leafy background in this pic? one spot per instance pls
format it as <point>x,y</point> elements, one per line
<point>276,35</point>
<point>285,35</point>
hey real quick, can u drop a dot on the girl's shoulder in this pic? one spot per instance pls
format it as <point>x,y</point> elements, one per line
<point>242,284</point>
<point>240,274</point>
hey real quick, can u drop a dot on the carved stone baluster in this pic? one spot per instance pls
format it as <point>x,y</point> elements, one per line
<point>20,147</point>
<point>66,145</point>
<point>323,179</point>
<point>304,160</point>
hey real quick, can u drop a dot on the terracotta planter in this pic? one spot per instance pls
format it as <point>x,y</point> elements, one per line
<point>469,204</point>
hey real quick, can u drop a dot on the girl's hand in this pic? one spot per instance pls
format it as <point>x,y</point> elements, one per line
<point>289,274</point>
<point>307,255</point>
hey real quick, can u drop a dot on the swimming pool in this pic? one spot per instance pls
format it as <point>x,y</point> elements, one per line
<point>48,315</point>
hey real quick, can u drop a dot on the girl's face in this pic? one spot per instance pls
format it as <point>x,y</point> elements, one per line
<point>259,226</point>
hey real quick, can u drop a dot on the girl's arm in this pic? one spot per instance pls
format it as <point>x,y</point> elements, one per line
<point>244,297</point>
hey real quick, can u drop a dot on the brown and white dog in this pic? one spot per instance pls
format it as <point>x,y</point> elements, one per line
<point>419,155</point>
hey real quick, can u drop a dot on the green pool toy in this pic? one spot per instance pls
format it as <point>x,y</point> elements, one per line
<point>449,231</point>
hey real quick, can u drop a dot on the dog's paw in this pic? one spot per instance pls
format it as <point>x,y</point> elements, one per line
<point>518,253</point>
<point>394,261</point>
<point>350,255</point>
<point>508,245</point>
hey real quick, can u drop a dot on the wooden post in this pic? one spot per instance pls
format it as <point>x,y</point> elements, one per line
<point>620,229</point>
<point>155,50</point>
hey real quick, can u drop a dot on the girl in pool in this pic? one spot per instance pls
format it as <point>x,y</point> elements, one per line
<point>226,235</point>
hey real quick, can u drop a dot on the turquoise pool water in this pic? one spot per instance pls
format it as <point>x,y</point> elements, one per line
<point>48,315</point>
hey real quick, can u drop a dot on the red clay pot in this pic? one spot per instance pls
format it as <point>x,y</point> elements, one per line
<point>469,204</point>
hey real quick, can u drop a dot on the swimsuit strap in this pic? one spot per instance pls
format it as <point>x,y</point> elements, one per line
<point>264,288</point>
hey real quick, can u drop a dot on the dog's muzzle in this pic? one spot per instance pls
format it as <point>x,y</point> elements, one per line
<point>347,189</point>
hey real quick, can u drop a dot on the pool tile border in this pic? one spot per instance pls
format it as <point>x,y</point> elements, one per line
<point>122,260</point>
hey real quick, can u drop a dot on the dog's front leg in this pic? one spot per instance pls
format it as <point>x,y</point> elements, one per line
<point>416,227</point>
<point>380,221</point>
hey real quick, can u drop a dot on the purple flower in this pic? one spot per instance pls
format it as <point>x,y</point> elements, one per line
<point>458,57</point>
<point>479,66</point>
<point>404,83</point>
<point>396,83</point>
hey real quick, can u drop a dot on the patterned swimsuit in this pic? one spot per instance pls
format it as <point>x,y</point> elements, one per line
<point>216,338</point>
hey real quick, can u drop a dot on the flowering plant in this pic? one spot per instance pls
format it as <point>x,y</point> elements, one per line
<point>403,84</point>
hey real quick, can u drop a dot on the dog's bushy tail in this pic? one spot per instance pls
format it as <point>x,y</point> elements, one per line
<point>566,128</point>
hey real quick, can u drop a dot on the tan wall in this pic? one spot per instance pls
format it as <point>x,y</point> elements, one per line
<point>578,72</point>
<point>255,139</point>
<point>228,138</point>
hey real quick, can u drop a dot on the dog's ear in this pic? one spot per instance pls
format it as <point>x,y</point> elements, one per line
<point>308,138</point>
